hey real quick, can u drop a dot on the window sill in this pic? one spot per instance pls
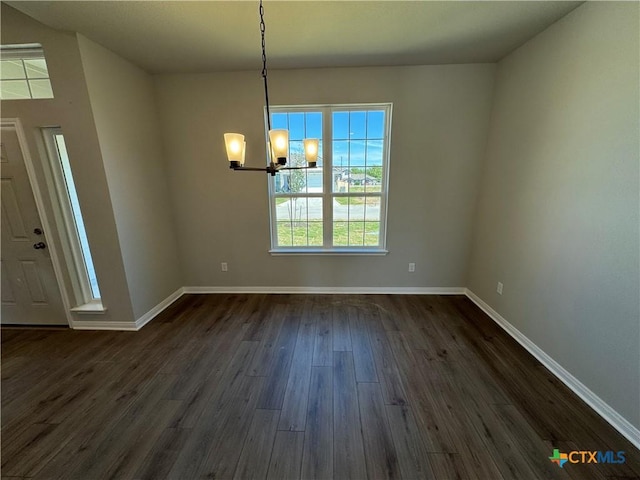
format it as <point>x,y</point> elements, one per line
<point>334,251</point>
<point>93,307</point>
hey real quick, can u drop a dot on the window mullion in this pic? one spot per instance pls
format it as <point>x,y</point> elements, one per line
<point>327,165</point>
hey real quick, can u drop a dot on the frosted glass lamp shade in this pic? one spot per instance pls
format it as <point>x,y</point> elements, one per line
<point>311,150</point>
<point>279,140</point>
<point>235,147</point>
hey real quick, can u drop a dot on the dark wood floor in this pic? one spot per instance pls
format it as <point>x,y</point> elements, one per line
<point>294,386</point>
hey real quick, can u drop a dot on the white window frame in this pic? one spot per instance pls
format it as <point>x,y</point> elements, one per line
<point>328,194</point>
<point>81,295</point>
<point>22,52</point>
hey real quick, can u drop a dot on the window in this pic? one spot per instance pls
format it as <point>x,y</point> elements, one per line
<point>80,262</point>
<point>23,72</point>
<point>340,206</point>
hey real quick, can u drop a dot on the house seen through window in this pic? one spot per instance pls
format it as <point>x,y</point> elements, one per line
<point>340,206</point>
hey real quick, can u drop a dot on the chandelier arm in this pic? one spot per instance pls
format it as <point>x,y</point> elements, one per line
<point>264,65</point>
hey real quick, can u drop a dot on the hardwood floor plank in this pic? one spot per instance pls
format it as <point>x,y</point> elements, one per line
<point>323,345</point>
<point>293,416</point>
<point>340,329</point>
<point>268,347</point>
<point>274,389</point>
<point>348,450</point>
<point>362,356</point>
<point>160,459</point>
<point>233,393</point>
<point>432,419</point>
<point>380,452</point>
<point>230,428</point>
<point>26,449</point>
<point>256,453</point>
<point>500,445</point>
<point>118,449</point>
<point>386,365</point>
<point>447,466</point>
<point>413,457</point>
<point>286,457</point>
<point>533,449</point>
<point>317,454</point>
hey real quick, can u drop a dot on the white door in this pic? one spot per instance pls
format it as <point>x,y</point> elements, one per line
<point>30,293</point>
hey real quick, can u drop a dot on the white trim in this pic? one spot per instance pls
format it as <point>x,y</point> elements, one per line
<point>46,224</point>
<point>328,195</point>
<point>616,420</point>
<point>333,290</point>
<point>129,326</point>
<point>92,307</point>
<point>104,325</point>
<point>289,251</point>
<point>155,311</point>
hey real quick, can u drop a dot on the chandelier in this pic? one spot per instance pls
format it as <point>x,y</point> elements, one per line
<point>278,140</point>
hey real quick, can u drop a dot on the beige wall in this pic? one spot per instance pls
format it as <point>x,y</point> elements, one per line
<point>440,118</point>
<point>71,110</point>
<point>124,111</point>
<point>558,218</point>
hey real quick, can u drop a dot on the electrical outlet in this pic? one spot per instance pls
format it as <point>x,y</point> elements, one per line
<point>224,267</point>
<point>499,289</point>
<point>412,267</point>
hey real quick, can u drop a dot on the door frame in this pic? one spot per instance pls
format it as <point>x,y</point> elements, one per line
<point>37,188</point>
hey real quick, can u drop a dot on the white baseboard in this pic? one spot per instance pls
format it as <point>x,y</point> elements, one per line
<point>333,290</point>
<point>128,326</point>
<point>103,325</point>
<point>603,409</point>
<point>155,311</point>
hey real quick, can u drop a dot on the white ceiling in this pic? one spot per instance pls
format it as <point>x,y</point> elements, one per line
<point>201,36</point>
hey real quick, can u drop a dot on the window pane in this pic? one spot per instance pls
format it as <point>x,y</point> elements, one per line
<point>356,153</point>
<point>372,234</point>
<point>340,154</point>
<point>11,70</point>
<point>357,125</point>
<point>356,208</point>
<point>296,126</point>
<point>77,215</point>
<point>356,234</point>
<point>375,124</point>
<point>41,89</point>
<point>36,68</point>
<point>372,210</point>
<point>314,180</point>
<point>373,179</point>
<point>340,234</point>
<point>14,89</point>
<point>285,234</point>
<point>279,120</point>
<point>374,152</point>
<point>313,124</point>
<point>340,121</point>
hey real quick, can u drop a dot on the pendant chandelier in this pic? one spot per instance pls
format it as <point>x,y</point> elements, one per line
<point>278,140</point>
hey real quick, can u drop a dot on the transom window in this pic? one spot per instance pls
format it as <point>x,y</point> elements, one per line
<point>24,73</point>
<point>340,206</point>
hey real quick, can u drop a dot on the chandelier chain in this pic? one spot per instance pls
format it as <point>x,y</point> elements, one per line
<point>264,65</point>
